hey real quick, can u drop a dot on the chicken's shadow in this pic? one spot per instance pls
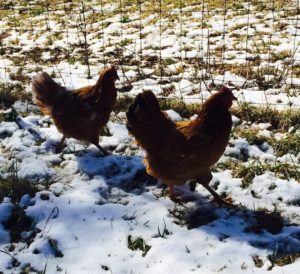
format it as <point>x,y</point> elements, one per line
<point>259,228</point>
<point>125,172</point>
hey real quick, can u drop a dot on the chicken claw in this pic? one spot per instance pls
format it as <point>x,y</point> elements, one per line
<point>104,152</point>
<point>173,196</point>
<point>217,198</point>
<point>59,146</point>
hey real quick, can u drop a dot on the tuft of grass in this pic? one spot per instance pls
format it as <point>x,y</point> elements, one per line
<point>284,259</point>
<point>289,144</point>
<point>10,93</point>
<point>251,134</point>
<point>54,246</point>
<point>125,19</point>
<point>9,116</point>
<point>257,261</point>
<point>272,221</point>
<point>15,188</point>
<point>282,55</point>
<point>164,232</point>
<point>279,120</point>
<point>228,164</point>
<point>185,110</point>
<point>138,244</point>
<point>123,103</point>
<point>247,173</point>
<point>19,75</point>
<point>17,223</point>
<point>285,170</point>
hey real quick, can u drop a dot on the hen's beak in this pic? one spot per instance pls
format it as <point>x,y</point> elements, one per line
<point>233,97</point>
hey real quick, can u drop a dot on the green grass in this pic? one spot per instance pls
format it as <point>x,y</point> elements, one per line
<point>272,221</point>
<point>250,134</point>
<point>257,261</point>
<point>10,93</point>
<point>249,170</point>
<point>284,259</point>
<point>9,116</point>
<point>185,110</point>
<point>289,144</point>
<point>280,120</point>
<point>17,223</point>
<point>138,244</point>
<point>16,187</point>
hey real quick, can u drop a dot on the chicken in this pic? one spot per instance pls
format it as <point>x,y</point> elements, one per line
<point>80,113</point>
<point>179,151</point>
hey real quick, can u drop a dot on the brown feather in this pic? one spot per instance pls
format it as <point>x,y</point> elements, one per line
<point>176,152</point>
<point>80,113</point>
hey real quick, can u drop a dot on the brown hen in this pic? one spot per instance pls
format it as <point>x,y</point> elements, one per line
<point>179,151</point>
<point>81,113</point>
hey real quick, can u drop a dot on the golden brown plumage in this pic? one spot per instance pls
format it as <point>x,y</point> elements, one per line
<point>80,113</point>
<point>179,151</point>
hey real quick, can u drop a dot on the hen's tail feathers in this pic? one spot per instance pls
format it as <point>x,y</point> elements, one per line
<point>46,92</point>
<point>144,107</point>
<point>146,122</point>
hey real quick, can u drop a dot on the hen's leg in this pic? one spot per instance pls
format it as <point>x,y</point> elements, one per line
<point>172,193</point>
<point>217,197</point>
<point>59,146</point>
<point>101,149</point>
<point>173,196</point>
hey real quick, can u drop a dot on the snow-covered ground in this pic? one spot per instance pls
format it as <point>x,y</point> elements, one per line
<point>93,214</point>
<point>83,220</point>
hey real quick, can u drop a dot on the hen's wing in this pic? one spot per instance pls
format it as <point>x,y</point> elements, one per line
<point>85,92</point>
<point>198,141</point>
<point>72,107</point>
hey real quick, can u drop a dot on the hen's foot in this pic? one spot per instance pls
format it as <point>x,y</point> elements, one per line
<point>217,198</point>
<point>103,152</point>
<point>59,147</point>
<point>192,184</point>
<point>228,202</point>
<point>175,198</point>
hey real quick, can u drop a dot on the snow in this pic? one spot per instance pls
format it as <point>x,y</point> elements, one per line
<point>7,128</point>
<point>32,168</point>
<point>173,115</point>
<point>5,211</point>
<point>87,205</point>
<point>96,202</point>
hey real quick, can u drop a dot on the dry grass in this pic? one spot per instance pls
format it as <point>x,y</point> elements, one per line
<point>279,120</point>
<point>10,93</point>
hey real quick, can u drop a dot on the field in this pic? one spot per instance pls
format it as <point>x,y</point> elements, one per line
<point>78,212</point>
